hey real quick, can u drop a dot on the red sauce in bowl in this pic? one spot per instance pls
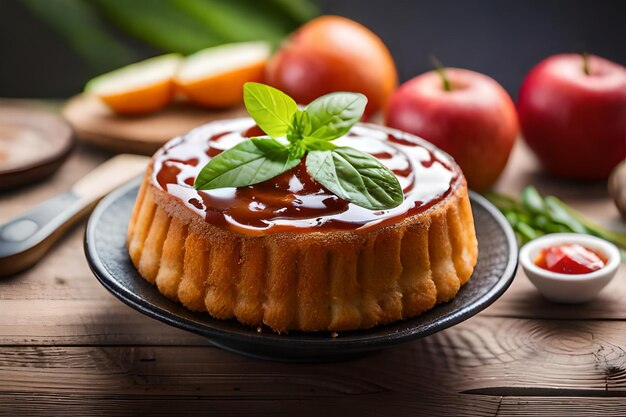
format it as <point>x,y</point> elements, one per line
<point>571,259</point>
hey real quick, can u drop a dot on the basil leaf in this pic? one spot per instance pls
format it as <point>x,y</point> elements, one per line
<point>249,162</point>
<point>299,127</point>
<point>297,150</point>
<point>332,115</point>
<point>356,176</point>
<point>312,144</point>
<point>270,108</point>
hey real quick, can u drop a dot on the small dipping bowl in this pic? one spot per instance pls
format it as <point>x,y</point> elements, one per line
<point>569,288</point>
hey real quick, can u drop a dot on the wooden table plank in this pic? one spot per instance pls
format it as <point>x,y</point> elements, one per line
<point>555,406</point>
<point>486,356</point>
<point>377,404</point>
<point>79,322</point>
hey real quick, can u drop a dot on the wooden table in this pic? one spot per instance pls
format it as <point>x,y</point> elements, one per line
<point>69,347</point>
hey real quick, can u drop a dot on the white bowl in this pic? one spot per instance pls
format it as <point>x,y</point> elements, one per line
<point>569,288</point>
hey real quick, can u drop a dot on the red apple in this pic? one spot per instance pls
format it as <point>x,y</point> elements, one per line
<point>332,53</point>
<point>471,117</point>
<point>573,116</point>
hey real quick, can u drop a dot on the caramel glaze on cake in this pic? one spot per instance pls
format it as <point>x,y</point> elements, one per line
<point>290,255</point>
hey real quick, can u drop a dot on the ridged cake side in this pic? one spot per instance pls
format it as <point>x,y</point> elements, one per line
<point>313,281</point>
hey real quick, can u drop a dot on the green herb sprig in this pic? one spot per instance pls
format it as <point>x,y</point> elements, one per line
<point>535,216</point>
<point>292,134</point>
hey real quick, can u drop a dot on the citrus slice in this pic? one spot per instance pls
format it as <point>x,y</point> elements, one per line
<point>139,88</point>
<point>214,77</point>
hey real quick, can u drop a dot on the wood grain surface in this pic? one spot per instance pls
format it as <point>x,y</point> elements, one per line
<point>68,347</point>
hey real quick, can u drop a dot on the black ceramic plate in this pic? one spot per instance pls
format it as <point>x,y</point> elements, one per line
<point>108,258</point>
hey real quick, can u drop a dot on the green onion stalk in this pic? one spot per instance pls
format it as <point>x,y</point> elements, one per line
<point>535,216</point>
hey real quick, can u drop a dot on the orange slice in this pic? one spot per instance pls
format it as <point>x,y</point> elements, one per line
<point>139,88</point>
<point>214,77</point>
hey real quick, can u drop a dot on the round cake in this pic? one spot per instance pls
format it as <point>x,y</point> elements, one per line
<point>288,254</point>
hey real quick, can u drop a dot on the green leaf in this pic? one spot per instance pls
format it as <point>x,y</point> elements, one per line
<point>532,200</point>
<point>160,23</point>
<point>559,215</point>
<point>87,34</point>
<point>332,115</point>
<point>521,240</point>
<point>511,217</point>
<point>595,229</point>
<point>549,215</point>
<point>271,13</point>
<point>355,176</point>
<point>300,10</point>
<point>299,126</point>
<point>232,20</point>
<point>250,162</point>
<point>312,144</point>
<point>505,202</point>
<point>270,108</point>
<point>297,150</point>
<point>527,231</point>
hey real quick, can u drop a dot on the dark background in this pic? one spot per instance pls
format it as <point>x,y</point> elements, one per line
<point>503,39</point>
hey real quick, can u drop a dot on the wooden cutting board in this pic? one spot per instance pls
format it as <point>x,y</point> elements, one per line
<point>95,123</point>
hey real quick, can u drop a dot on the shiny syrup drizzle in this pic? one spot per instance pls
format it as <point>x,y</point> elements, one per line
<point>293,201</point>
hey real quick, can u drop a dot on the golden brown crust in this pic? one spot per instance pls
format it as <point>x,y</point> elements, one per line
<point>331,280</point>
